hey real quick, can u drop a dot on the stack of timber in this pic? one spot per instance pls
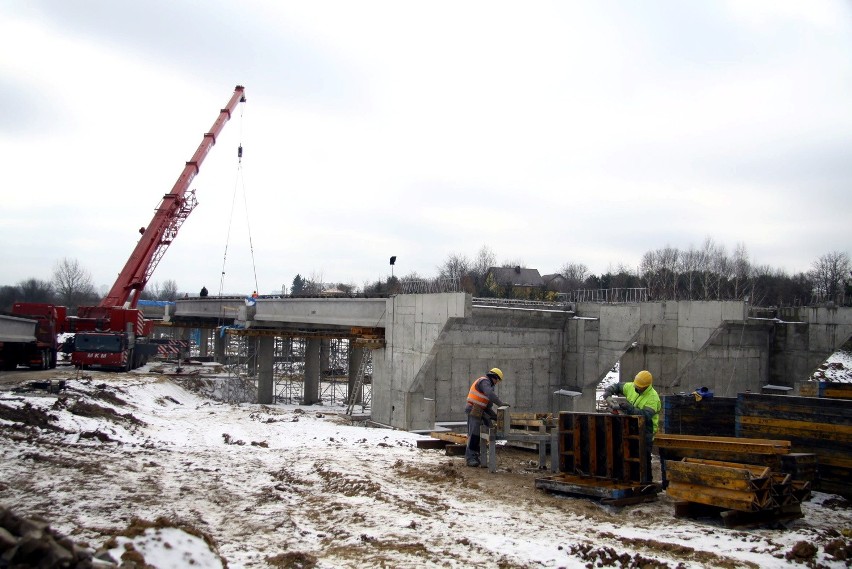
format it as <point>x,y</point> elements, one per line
<point>452,443</point>
<point>715,416</point>
<point>601,455</point>
<point>819,426</point>
<point>827,389</point>
<point>765,452</point>
<point>512,426</point>
<point>743,494</point>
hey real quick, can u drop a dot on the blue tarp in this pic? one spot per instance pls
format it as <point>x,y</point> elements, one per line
<point>154,303</point>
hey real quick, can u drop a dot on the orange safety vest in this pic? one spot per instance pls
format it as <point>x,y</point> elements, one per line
<point>476,397</point>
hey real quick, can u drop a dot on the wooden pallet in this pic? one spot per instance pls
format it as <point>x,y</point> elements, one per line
<point>737,519</point>
<point>610,492</point>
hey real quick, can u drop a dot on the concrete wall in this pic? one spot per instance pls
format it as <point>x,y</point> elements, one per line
<point>803,338</point>
<point>413,324</point>
<point>437,344</point>
<point>433,354</point>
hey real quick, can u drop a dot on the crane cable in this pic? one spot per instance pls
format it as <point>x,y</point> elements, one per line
<point>239,183</point>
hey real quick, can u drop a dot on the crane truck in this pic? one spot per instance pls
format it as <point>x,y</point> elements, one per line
<point>114,334</point>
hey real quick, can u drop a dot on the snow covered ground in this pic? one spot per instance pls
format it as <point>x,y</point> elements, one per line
<point>838,367</point>
<point>143,459</point>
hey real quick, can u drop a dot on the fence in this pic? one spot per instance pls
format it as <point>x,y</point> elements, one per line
<point>610,295</point>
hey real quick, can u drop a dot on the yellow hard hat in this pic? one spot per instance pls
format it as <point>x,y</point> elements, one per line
<point>643,379</point>
<point>496,371</point>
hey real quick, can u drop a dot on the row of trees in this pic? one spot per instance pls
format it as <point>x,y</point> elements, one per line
<point>705,273</point>
<point>669,273</point>
<point>71,285</point>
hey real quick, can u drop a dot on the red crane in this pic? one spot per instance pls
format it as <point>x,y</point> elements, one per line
<point>170,215</point>
<point>112,333</point>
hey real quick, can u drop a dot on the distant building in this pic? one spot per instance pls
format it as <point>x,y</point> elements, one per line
<point>555,282</point>
<point>520,280</point>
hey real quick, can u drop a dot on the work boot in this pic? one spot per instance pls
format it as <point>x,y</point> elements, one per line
<point>473,463</point>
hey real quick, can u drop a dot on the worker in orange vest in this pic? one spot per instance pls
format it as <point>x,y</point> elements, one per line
<point>479,410</point>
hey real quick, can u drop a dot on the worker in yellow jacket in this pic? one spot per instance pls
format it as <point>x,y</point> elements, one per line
<point>642,399</point>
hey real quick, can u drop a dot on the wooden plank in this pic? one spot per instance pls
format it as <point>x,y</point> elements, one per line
<point>737,444</point>
<point>799,429</point>
<point>457,438</point>
<point>796,408</point>
<point>746,501</point>
<point>700,474</point>
<point>771,460</point>
<point>837,391</point>
<point>756,470</point>
<point>456,450</point>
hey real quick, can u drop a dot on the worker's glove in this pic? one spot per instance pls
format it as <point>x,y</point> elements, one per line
<point>628,409</point>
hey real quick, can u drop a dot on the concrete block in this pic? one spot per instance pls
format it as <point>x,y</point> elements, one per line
<point>733,310</point>
<point>619,322</point>
<point>651,312</point>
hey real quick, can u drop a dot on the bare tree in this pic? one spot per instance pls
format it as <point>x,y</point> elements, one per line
<point>72,283</point>
<point>829,274</point>
<point>688,267</point>
<point>712,262</point>
<point>741,269</point>
<point>575,275</point>
<point>169,290</point>
<point>455,267</point>
<point>485,259</point>
<point>650,268</point>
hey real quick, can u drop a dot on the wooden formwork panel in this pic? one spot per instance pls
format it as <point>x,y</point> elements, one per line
<point>821,426</point>
<point>828,389</point>
<point>683,415</point>
<point>602,445</point>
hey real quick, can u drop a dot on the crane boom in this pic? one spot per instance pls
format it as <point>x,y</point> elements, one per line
<point>173,210</point>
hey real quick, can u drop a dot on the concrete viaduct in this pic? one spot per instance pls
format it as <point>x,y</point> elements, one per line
<point>429,347</point>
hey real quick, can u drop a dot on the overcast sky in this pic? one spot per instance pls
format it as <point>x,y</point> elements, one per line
<point>550,132</point>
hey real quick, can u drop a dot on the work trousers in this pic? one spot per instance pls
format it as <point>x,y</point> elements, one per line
<point>471,451</point>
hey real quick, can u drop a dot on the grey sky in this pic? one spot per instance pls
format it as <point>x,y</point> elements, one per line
<point>552,132</point>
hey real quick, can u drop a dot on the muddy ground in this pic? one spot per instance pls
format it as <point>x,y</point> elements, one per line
<point>284,486</point>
